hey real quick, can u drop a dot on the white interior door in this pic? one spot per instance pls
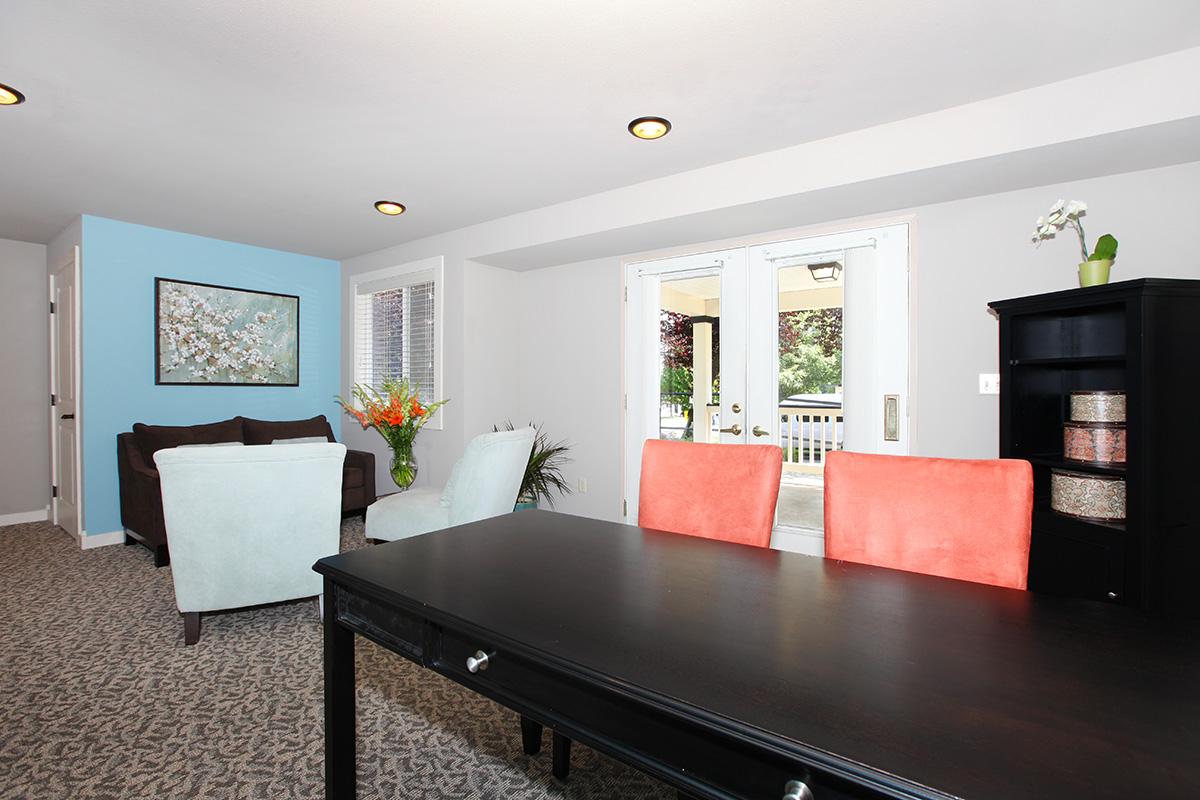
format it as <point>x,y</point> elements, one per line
<point>709,291</point>
<point>64,391</point>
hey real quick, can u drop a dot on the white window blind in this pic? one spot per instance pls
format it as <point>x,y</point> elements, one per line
<point>395,336</point>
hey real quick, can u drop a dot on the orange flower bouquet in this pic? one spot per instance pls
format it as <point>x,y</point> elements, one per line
<point>397,413</point>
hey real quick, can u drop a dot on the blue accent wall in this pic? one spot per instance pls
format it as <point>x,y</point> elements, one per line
<point>120,263</point>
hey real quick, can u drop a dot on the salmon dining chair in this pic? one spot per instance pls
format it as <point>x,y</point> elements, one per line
<point>954,518</point>
<point>715,491</point>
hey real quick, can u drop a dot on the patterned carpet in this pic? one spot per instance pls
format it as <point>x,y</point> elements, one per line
<point>99,698</point>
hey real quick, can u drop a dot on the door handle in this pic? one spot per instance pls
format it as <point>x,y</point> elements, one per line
<point>759,430</point>
<point>67,416</point>
<point>735,429</point>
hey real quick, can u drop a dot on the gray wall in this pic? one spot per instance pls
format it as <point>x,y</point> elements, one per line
<point>562,361</point>
<point>24,357</point>
<point>971,251</point>
<point>569,374</point>
<point>966,253</point>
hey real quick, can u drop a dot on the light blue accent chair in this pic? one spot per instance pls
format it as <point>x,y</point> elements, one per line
<point>246,524</point>
<point>483,484</point>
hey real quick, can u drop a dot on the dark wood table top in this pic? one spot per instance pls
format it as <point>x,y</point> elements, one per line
<point>969,690</point>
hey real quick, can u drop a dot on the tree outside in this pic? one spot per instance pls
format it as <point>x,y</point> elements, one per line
<point>810,352</point>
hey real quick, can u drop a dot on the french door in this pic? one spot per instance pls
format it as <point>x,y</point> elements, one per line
<point>801,343</point>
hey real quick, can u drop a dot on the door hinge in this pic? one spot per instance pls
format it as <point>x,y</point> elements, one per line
<point>53,400</point>
<point>626,294</point>
<point>54,491</point>
<point>51,306</point>
<point>625,402</point>
<point>625,508</point>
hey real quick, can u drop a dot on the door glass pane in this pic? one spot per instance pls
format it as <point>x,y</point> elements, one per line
<point>689,357</point>
<point>810,305</point>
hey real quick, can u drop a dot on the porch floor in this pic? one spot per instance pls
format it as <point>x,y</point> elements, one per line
<point>801,502</point>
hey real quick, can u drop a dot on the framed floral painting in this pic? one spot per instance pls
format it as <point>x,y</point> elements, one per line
<point>221,336</point>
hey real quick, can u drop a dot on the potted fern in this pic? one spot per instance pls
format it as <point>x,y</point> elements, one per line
<point>543,474</point>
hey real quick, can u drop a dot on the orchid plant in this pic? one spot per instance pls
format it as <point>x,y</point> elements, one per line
<point>1066,214</point>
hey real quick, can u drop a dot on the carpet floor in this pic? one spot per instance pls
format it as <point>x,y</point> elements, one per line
<point>99,698</point>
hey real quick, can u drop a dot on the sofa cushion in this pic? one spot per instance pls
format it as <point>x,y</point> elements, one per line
<point>152,438</point>
<point>260,431</point>
<point>352,478</point>
<point>215,444</point>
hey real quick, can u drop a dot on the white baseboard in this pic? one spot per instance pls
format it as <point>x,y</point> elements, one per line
<point>799,540</point>
<point>94,540</point>
<point>25,516</point>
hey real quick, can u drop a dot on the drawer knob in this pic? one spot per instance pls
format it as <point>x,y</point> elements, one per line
<point>477,662</point>
<point>1112,595</point>
<point>797,790</point>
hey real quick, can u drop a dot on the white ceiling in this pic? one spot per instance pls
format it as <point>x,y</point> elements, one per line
<point>279,123</point>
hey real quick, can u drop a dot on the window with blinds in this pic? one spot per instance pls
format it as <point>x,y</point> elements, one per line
<point>395,331</point>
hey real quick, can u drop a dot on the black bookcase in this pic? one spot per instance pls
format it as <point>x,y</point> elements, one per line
<point>1142,337</point>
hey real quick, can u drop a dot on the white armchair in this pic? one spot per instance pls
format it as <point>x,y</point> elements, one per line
<point>246,524</point>
<point>483,484</point>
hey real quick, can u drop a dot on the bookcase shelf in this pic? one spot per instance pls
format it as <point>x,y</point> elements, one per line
<point>1134,337</point>
<point>1066,361</point>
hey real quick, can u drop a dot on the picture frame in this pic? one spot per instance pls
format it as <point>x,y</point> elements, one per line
<point>211,335</point>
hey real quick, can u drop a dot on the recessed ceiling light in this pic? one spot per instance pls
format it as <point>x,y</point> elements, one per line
<point>10,96</point>
<point>649,127</point>
<point>389,207</point>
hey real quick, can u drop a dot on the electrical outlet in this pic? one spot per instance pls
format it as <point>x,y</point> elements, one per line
<point>583,485</point>
<point>989,383</point>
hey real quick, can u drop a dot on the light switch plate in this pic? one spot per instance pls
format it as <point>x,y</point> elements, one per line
<point>989,383</point>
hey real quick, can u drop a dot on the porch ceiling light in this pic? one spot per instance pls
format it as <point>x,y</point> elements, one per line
<point>825,271</point>
<point>650,127</point>
<point>10,96</point>
<point>389,207</point>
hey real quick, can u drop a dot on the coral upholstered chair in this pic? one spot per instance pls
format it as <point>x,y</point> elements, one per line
<point>953,518</point>
<point>715,491</point>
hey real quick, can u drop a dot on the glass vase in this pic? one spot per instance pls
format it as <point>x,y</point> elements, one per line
<point>404,467</point>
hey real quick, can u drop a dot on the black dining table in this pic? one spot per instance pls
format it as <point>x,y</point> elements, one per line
<point>731,671</point>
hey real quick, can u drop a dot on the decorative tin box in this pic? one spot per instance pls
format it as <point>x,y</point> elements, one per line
<point>1099,498</point>
<point>1094,442</point>
<point>1106,406</point>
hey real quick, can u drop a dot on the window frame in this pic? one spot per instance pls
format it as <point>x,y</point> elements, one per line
<point>402,276</point>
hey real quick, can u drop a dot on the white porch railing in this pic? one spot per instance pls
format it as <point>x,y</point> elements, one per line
<point>807,433</point>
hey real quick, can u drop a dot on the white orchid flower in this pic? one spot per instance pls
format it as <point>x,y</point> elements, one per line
<point>1075,208</point>
<point>1058,205</point>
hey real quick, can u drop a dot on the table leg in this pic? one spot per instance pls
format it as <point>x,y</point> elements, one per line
<point>561,762</point>
<point>531,736</point>
<point>340,767</point>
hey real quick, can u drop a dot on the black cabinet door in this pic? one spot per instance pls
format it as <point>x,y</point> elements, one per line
<point>1064,565</point>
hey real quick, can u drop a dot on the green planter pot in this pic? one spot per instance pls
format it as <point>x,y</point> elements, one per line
<point>525,505</point>
<point>1094,273</point>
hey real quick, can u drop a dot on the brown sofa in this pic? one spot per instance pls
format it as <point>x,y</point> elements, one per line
<point>141,495</point>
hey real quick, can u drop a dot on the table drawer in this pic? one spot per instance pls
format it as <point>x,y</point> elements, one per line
<point>395,629</point>
<point>653,739</point>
